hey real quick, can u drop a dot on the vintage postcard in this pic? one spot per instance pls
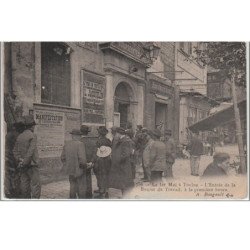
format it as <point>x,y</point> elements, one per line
<point>124,120</point>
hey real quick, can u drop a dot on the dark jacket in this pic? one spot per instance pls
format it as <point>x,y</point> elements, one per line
<point>157,156</point>
<point>120,175</point>
<point>170,150</point>
<point>10,140</point>
<point>26,148</point>
<point>213,170</point>
<point>195,147</point>
<point>90,147</point>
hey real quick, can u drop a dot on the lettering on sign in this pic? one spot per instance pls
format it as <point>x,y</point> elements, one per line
<point>50,132</point>
<point>93,87</point>
<point>161,89</point>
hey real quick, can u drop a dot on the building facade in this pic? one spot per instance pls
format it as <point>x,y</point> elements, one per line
<point>66,84</point>
<point>191,78</point>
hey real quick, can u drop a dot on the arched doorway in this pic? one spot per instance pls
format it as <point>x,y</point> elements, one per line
<point>122,105</point>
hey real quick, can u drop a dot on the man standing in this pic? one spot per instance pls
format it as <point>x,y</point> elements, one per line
<point>170,153</point>
<point>146,153</point>
<point>12,177</point>
<point>90,149</point>
<point>102,163</point>
<point>74,159</point>
<point>219,167</point>
<point>156,157</point>
<point>120,176</point>
<point>196,150</point>
<point>26,155</point>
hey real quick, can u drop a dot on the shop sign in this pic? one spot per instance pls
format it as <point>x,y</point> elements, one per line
<point>161,89</point>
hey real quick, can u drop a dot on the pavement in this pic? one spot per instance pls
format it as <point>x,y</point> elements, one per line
<point>181,170</point>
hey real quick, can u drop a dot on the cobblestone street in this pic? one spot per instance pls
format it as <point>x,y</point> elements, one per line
<point>181,169</point>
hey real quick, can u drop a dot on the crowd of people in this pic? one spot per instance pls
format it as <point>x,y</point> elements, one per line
<point>113,161</point>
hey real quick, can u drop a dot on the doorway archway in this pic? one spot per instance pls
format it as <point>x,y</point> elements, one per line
<point>122,104</point>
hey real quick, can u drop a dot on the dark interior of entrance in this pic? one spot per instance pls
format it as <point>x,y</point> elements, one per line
<point>122,104</point>
<point>161,115</point>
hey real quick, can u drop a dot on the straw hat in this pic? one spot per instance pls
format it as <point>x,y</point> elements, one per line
<point>103,151</point>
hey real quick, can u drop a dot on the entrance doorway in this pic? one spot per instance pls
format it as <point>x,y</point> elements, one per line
<point>122,104</point>
<point>161,116</point>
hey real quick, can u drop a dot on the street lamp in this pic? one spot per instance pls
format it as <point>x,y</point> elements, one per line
<point>151,51</point>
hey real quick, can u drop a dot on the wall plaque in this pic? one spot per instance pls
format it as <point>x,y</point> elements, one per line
<point>50,132</point>
<point>92,94</point>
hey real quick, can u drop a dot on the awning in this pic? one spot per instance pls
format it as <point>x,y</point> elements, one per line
<point>220,118</point>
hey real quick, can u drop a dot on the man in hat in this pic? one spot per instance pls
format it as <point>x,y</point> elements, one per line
<point>130,135</point>
<point>170,153</point>
<point>90,150</point>
<point>121,176</point>
<point>102,164</point>
<point>195,148</point>
<point>26,155</point>
<point>74,160</point>
<point>12,176</point>
<point>156,161</point>
<point>220,166</point>
<point>146,152</point>
<point>140,143</point>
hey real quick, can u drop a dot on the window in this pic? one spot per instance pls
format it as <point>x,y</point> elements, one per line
<point>55,59</point>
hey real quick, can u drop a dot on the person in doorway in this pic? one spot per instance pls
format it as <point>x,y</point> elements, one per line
<point>220,167</point>
<point>121,176</point>
<point>195,148</point>
<point>74,161</point>
<point>90,149</point>
<point>170,153</point>
<point>157,157</point>
<point>26,155</point>
<point>102,162</point>
<point>11,174</point>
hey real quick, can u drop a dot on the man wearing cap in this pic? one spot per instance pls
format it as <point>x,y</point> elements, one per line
<point>195,148</point>
<point>140,143</point>
<point>12,176</point>
<point>146,152</point>
<point>130,135</point>
<point>170,153</point>
<point>26,155</point>
<point>219,167</point>
<point>74,160</point>
<point>102,162</point>
<point>121,176</point>
<point>90,149</point>
<point>156,161</point>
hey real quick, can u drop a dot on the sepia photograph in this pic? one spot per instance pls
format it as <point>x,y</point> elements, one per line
<point>124,120</point>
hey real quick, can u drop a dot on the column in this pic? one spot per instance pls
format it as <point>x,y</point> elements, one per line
<point>37,73</point>
<point>109,100</point>
<point>140,94</point>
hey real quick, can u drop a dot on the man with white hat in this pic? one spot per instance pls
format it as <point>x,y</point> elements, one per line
<point>102,162</point>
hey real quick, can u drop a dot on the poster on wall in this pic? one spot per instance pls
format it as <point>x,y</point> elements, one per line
<point>93,87</point>
<point>50,132</point>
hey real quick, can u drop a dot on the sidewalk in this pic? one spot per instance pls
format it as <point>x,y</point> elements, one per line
<point>181,169</point>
